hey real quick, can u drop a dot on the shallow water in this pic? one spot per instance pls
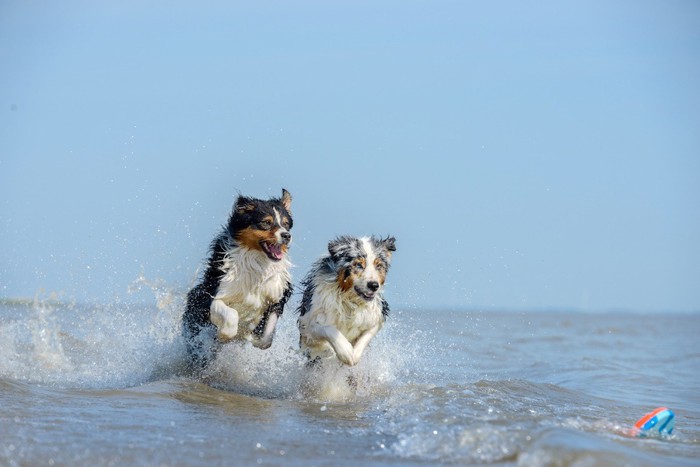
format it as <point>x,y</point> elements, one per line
<point>103,385</point>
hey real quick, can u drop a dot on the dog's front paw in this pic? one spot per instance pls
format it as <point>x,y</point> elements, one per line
<point>345,353</point>
<point>225,319</point>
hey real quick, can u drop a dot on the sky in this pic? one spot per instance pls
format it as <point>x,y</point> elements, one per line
<point>525,155</point>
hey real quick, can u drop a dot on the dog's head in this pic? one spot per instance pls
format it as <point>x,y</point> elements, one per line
<point>263,225</point>
<point>361,264</point>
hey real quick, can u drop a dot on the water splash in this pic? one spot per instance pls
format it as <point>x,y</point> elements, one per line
<point>282,372</point>
<point>127,344</point>
<point>66,344</point>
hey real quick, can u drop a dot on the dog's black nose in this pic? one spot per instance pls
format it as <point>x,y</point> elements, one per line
<point>286,237</point>
<point>373,285</point>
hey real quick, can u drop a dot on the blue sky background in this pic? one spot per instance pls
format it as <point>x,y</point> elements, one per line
<point>526,155</point>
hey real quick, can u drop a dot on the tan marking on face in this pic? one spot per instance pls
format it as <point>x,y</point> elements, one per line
<point>345,279</point>
<point>381,270</point>
<point>250,238</point>
<point>351,274</point>
<point>359,265</point>
<point>286,222</point>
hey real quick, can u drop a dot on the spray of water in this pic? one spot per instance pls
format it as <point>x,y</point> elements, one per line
<point>72,345</point>
<point>125,344</point>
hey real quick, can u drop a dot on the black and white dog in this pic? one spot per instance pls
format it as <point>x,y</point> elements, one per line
<point>343,306</point>
<point>246,283</point>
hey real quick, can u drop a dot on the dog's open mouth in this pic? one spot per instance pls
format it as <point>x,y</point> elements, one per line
<point>366,295</point>
<point>272,250</point>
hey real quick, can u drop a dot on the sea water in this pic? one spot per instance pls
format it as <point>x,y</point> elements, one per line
<point>105,385</point>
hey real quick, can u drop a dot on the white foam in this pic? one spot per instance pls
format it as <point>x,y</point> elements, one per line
<point>282,372</point>
<point>73,345</point>
<point>120,345</point>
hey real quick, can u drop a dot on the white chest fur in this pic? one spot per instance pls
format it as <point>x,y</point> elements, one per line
<point>329,307</point>
<point>251,282</point>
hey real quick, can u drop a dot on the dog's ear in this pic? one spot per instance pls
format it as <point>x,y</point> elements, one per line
<point>336,247</point>
<point>286,200</point>
<point>389,243</point>
<point>244,205</point>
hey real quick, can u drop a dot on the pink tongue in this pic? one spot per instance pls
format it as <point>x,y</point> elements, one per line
<point>276,251</point>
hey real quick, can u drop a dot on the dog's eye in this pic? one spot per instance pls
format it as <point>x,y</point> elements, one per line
<point>286,224</point>
<point>359,266</point>
<point>265,224</point>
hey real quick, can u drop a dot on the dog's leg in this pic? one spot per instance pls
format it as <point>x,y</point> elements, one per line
<point>225,318</point>
<point>343,348</point>
<point>265,341</point>
<point>362,342</point>
<point>273,313</point>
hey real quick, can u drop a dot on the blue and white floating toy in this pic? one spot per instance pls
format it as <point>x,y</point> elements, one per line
<point>657,422</point>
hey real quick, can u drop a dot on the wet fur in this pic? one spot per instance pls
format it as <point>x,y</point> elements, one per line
<point>343,307</point>
<point>246,283</point>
